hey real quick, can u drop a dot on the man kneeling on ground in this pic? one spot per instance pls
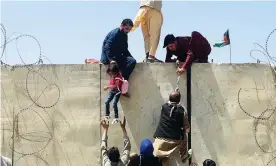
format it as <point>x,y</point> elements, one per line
<point>112,157</point>
<point>171,132</point>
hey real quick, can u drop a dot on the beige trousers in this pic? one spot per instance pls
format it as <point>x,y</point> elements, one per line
<point>163,148</point>
<point>151,23</point>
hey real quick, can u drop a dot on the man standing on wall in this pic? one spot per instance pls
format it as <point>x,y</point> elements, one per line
<point>115,49</point>
<point>188,49</point>
<point>151,19</point>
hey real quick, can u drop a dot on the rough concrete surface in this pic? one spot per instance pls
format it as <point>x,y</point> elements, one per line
<point>57,109</point>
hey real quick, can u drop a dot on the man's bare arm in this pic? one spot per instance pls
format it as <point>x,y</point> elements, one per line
<point>186,124</point>
<point>127,145</point>
<point>105,158</point>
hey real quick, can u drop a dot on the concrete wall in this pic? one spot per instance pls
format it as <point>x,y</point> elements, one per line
<point>58,109</point>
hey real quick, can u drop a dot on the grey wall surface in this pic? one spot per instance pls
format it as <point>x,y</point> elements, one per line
<point>57,110</point>
<point>225,124</point>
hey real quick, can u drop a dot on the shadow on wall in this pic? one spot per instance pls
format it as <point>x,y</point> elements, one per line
<point>208,106</point>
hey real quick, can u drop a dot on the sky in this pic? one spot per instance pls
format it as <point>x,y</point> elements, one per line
<point>70,32</point>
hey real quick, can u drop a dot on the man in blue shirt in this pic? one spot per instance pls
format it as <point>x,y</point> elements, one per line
<point>115,49</point>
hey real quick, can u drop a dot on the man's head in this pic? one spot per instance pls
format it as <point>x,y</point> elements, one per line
<point>126,25</point>
<point>170,42</point>
<point>175,97</point>
<point>113,154</point>
<point>209,162</point>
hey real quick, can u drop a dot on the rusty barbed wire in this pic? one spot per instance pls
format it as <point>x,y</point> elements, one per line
<point>34,101</point>
<point>261,119</point>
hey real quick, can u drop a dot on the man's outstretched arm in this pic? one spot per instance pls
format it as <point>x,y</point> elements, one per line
<point>127,145</point>
<point>105,158</point>
<point>189,60</point>
<point>186,124</point>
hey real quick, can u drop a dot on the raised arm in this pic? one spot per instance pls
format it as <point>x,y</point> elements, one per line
<point>186,123</point>
<point>127,145</point>
<point>189,60</point>
<point>105,158</point>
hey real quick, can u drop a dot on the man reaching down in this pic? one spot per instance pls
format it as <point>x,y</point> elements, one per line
<point>188,49</point>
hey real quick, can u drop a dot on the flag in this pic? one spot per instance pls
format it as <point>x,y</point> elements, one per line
<point>225,42</point>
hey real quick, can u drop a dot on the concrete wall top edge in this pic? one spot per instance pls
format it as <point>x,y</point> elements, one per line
<point>158,64</point>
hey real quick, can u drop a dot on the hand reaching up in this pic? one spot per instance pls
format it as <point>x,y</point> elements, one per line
<point>123,125</point>
<point>105,124</point>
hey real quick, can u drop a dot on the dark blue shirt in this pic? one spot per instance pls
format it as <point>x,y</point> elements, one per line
<point>115,46</point>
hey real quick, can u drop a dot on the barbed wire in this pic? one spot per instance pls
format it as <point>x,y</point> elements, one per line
<point>264,51</point>
<point>261,119</point>
<point>33,67</point>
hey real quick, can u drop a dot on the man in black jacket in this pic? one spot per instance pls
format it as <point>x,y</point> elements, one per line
<point>171,132</point>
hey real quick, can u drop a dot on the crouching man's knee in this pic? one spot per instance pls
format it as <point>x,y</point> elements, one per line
<point>133,61</point>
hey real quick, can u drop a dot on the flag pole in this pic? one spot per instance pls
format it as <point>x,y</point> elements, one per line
<point>230,53</point>
<point>230,47</point>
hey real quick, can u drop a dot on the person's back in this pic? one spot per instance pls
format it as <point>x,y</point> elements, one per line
<point>150,161</point>
<point>171,122</point>
<point>170,134</point>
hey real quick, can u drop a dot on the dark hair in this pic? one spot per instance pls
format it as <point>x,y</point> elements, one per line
<point>113,154</point>
<point>175,97</point>
<point>113,68</point>
<point>168,40</point>
<point>209,162</point>
<point>134,160</point>
<point>126,22</point>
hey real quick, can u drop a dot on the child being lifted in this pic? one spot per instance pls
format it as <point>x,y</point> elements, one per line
<point>115,86</point>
